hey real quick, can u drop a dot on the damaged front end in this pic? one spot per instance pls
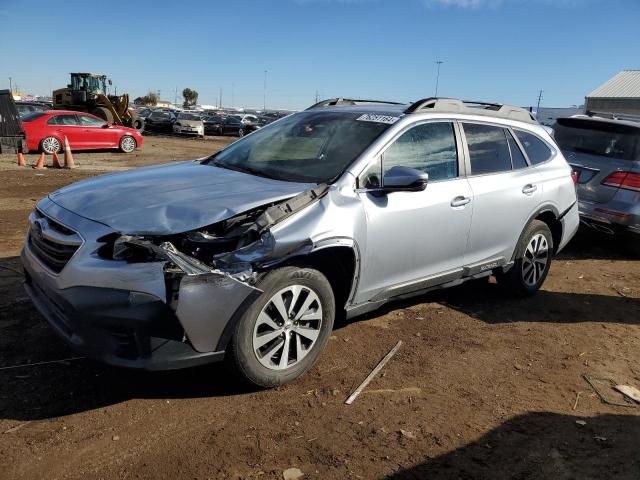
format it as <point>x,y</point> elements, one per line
<point>211,271</point>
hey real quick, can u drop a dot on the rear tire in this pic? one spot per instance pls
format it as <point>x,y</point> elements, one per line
<point>104,113</point>
<point>263,335</point>
<point>241,133</point>
<point>532,261</point>
<point>50,145</point>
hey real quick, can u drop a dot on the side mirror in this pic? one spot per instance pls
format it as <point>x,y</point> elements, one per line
<point>404,179</point>
<point>106,125</point>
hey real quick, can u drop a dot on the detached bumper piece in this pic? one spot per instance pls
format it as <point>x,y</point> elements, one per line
<point>118,327</point>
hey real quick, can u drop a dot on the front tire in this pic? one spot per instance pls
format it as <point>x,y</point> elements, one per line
<point>532,262</point>
<point>282,334</point>
<point>241,133</point>
<point>127,144</point>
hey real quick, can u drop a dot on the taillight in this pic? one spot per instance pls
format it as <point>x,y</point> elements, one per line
<point>574,176</point>
<point>625,180</point>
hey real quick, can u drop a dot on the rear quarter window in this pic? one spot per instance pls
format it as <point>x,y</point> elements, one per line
<point>537,150</point>
<point>30,117</point>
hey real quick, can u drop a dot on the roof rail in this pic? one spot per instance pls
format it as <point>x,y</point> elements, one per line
<point>471,107</point>
<point>330,102</point>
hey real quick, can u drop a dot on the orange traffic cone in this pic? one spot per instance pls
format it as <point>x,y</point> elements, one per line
<point>68,156</point>
<point>21,162</point>
<point>40,163</point>
<point>56,160</point>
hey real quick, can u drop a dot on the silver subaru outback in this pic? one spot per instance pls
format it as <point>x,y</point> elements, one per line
<point>249,254</point>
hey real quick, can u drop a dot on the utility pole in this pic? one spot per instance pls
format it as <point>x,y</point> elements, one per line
<point>316,96</point>
<point>438,63</point>
<point>220,97</point>
<point>264,93</point>
<point>539,100</point>
<point>175,97</point>
<point>233,101</point>
<point>11,85</point>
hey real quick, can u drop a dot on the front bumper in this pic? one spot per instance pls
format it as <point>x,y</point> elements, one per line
<point>117,327</point>
<point>188,130</point>
<point>117,312</point>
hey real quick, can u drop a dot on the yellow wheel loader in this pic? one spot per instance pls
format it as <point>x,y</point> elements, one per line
<point>87,92</point>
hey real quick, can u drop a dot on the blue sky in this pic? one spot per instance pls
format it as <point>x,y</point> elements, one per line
<point>497,50</point>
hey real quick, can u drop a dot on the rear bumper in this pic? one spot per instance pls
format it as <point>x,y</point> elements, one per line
<point>613,218</point>
<point>118,327</point>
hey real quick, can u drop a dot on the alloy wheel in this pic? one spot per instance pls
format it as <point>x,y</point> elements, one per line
<point>50,145</point>
<point>287,327</point>
<point>128,144</point>
<point>535,260</point>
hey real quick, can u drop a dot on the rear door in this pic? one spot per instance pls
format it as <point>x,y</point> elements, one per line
<point>67,125</point>
<point>506,192</point>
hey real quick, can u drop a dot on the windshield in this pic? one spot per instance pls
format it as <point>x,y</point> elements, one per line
<point>312,147</point>
<point>604,139</point>
<point>88,83</point>
<point>188,116</point>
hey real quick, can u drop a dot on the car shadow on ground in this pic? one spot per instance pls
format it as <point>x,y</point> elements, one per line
<point>541,446</point>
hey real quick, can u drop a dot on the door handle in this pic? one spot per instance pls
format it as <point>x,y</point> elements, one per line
<point>460,201</point>
<point>529,189</point>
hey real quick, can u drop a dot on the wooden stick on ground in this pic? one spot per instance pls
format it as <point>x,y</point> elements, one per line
<point>373,373</point>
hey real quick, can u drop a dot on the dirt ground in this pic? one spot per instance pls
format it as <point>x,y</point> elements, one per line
<point>484,387</point>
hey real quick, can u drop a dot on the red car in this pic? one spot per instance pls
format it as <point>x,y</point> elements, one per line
<point>46,131</point>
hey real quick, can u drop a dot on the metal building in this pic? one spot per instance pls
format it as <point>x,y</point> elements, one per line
<point>621,94</point>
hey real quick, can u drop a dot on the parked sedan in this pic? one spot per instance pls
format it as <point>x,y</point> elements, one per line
<point>46,132</point>
<point>189,123</point>
<point>160,122</point>
<point>216,125</point>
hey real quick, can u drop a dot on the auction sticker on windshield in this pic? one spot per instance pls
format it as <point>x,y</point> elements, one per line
<point>370,117</point>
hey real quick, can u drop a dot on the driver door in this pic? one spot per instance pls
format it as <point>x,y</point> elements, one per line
<point>415,239</point>
<point>95,134</point>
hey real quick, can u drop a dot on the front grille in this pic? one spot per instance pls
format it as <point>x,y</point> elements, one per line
<point>53,243</point>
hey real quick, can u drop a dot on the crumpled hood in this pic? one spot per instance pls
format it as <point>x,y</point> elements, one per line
<point>171,198</point>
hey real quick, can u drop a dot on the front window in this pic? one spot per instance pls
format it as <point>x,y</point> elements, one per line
<point>89,121</point>
<point>312,147</point>
<point>430,148</point>
<point>604,139</point>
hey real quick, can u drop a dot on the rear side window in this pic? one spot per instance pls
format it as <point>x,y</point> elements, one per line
<point>488,149</point>
<point>430,147</point>
<point>30,117</point>
<point>536,149</point>
<point>63,120</point>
